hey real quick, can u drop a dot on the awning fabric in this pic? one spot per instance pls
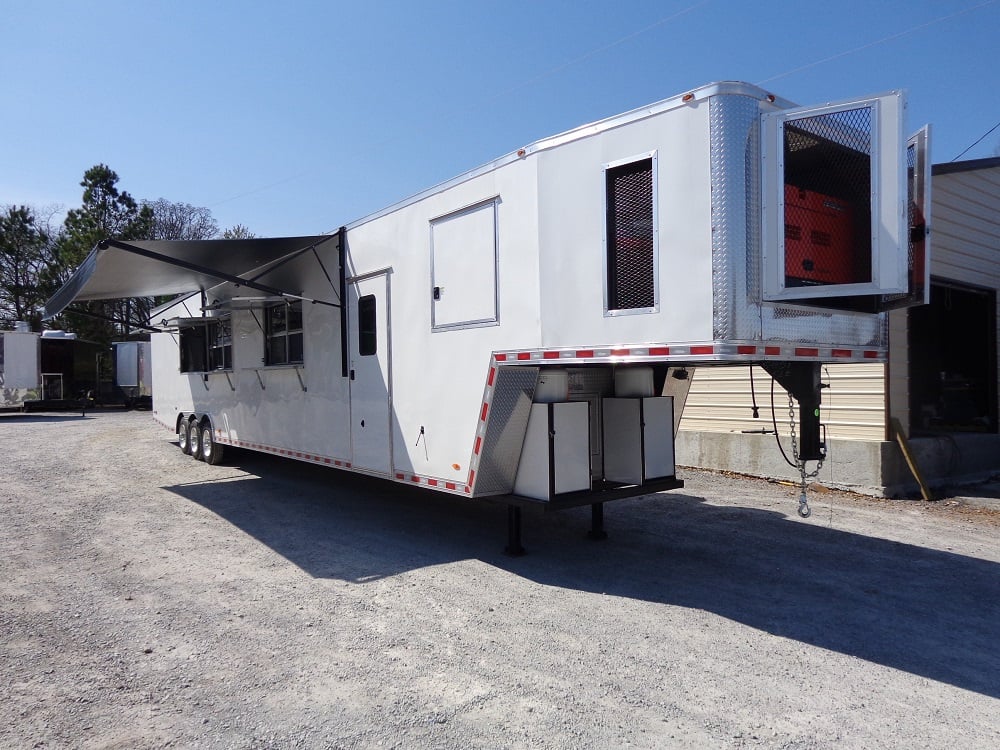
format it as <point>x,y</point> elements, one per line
<point>147,268</point>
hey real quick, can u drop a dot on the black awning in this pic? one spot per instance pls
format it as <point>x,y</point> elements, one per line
<point>145,268</point>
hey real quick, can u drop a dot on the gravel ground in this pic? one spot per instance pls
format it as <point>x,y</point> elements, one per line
<point>149,600</point>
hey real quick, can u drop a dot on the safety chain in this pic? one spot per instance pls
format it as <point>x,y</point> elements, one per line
<point>804,509</point>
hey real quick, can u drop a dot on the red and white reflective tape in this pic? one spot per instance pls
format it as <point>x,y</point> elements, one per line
<point>432,482</point>
<point>707,352</point>
<point>478,440</point>
<point>287,453</point>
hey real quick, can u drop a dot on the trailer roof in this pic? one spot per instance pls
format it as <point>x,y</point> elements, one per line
<point>145,268</point>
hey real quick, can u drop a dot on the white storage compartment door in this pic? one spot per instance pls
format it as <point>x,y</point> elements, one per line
<point>623,440</point>
<point>658,437</point>
<point>464,268</point>
<point>834,203</point>
<point>533,468</point>
<point>555,456</point>
<point>571,446</point>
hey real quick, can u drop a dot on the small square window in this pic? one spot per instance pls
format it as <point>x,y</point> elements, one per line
<point>283,333</point>
<point>207,345</point>
<point>220,345</point>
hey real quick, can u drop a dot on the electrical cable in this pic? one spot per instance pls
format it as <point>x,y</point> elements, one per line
<point>977,142</point>
<point>877,42</point>
<point>777,437</point>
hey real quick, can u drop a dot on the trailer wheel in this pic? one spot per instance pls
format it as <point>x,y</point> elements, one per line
<point>194,439</point>
<point>211,451</point>
<point>184,438</point>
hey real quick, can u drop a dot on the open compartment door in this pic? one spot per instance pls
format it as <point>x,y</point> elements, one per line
<point>918,216</point>
<point>834,204</point>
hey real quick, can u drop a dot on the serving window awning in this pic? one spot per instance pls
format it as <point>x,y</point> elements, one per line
<point>117,269</point>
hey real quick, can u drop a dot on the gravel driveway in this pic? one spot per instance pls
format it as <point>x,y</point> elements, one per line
<point>149,600</point>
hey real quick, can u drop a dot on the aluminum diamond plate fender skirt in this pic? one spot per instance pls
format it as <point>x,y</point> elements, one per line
<point>503,420</point>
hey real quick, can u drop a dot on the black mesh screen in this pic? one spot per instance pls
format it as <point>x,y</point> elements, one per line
<point>631,281</point>
<point>828,198</point>
<point>916,225</point>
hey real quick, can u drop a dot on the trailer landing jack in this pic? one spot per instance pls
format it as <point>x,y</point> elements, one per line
<point>514,547</point>
<point>595,498</point>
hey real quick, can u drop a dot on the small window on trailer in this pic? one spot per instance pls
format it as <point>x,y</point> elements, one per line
<point>631,236</point>
<point>207,345</point>
<point>220,344</point>
<point>283,333</point>
<point>367,326</point>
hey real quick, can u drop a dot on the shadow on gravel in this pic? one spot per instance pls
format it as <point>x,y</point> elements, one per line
<point>926,612</point>
<point>68,417</point>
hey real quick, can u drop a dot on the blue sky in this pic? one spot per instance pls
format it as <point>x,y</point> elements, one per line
<point>297,117</point>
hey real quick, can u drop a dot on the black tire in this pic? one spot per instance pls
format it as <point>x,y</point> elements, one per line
<point>194,439</point>
<point>183,438</point>
<point>211,451</point>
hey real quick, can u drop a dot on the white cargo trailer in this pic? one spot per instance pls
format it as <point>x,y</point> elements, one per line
<point>517,332</point>
<point>20,366</point>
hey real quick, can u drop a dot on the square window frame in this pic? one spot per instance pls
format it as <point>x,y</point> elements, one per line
<point>285,336</point>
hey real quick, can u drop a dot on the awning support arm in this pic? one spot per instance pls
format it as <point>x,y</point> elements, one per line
<point>215,273</point>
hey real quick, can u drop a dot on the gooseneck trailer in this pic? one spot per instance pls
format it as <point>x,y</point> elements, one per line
<point>520,332</point>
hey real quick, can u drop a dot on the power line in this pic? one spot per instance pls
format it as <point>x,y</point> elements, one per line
<point>889,38</point>
<point>977,142</point>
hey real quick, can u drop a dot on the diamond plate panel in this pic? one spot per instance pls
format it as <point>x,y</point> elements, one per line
<point>508,419</point>
<point>734,126</point>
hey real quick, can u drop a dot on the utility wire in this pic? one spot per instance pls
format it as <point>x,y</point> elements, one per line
<point>889,38</point>
<point>977,142</point>
<point>527,82</point>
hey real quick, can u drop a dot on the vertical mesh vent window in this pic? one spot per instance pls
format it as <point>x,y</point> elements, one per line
<point>828,198</point>
<point>631,249</point>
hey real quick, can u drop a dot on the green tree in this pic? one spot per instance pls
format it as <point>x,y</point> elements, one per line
<point>106,213</point>
<point>238,232</point>
<point>26,252</point>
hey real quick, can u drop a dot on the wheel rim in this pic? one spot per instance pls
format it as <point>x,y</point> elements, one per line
<point>194,439</point>
<point>206,442</point>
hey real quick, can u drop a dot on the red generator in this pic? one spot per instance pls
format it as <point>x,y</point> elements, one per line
<point>818,239</point>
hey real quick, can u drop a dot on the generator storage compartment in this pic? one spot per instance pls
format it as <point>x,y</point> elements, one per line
<point>555,456</point>
<point>834,216</point>
<point>818,239</point>
<point>638,439</point>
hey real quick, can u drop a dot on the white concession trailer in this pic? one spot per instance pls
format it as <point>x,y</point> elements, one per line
<point>523,332</point>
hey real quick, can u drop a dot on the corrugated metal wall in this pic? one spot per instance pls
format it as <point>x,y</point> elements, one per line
<point>853,408</point>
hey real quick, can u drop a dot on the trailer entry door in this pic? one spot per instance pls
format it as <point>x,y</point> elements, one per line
<point>370,369</point>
